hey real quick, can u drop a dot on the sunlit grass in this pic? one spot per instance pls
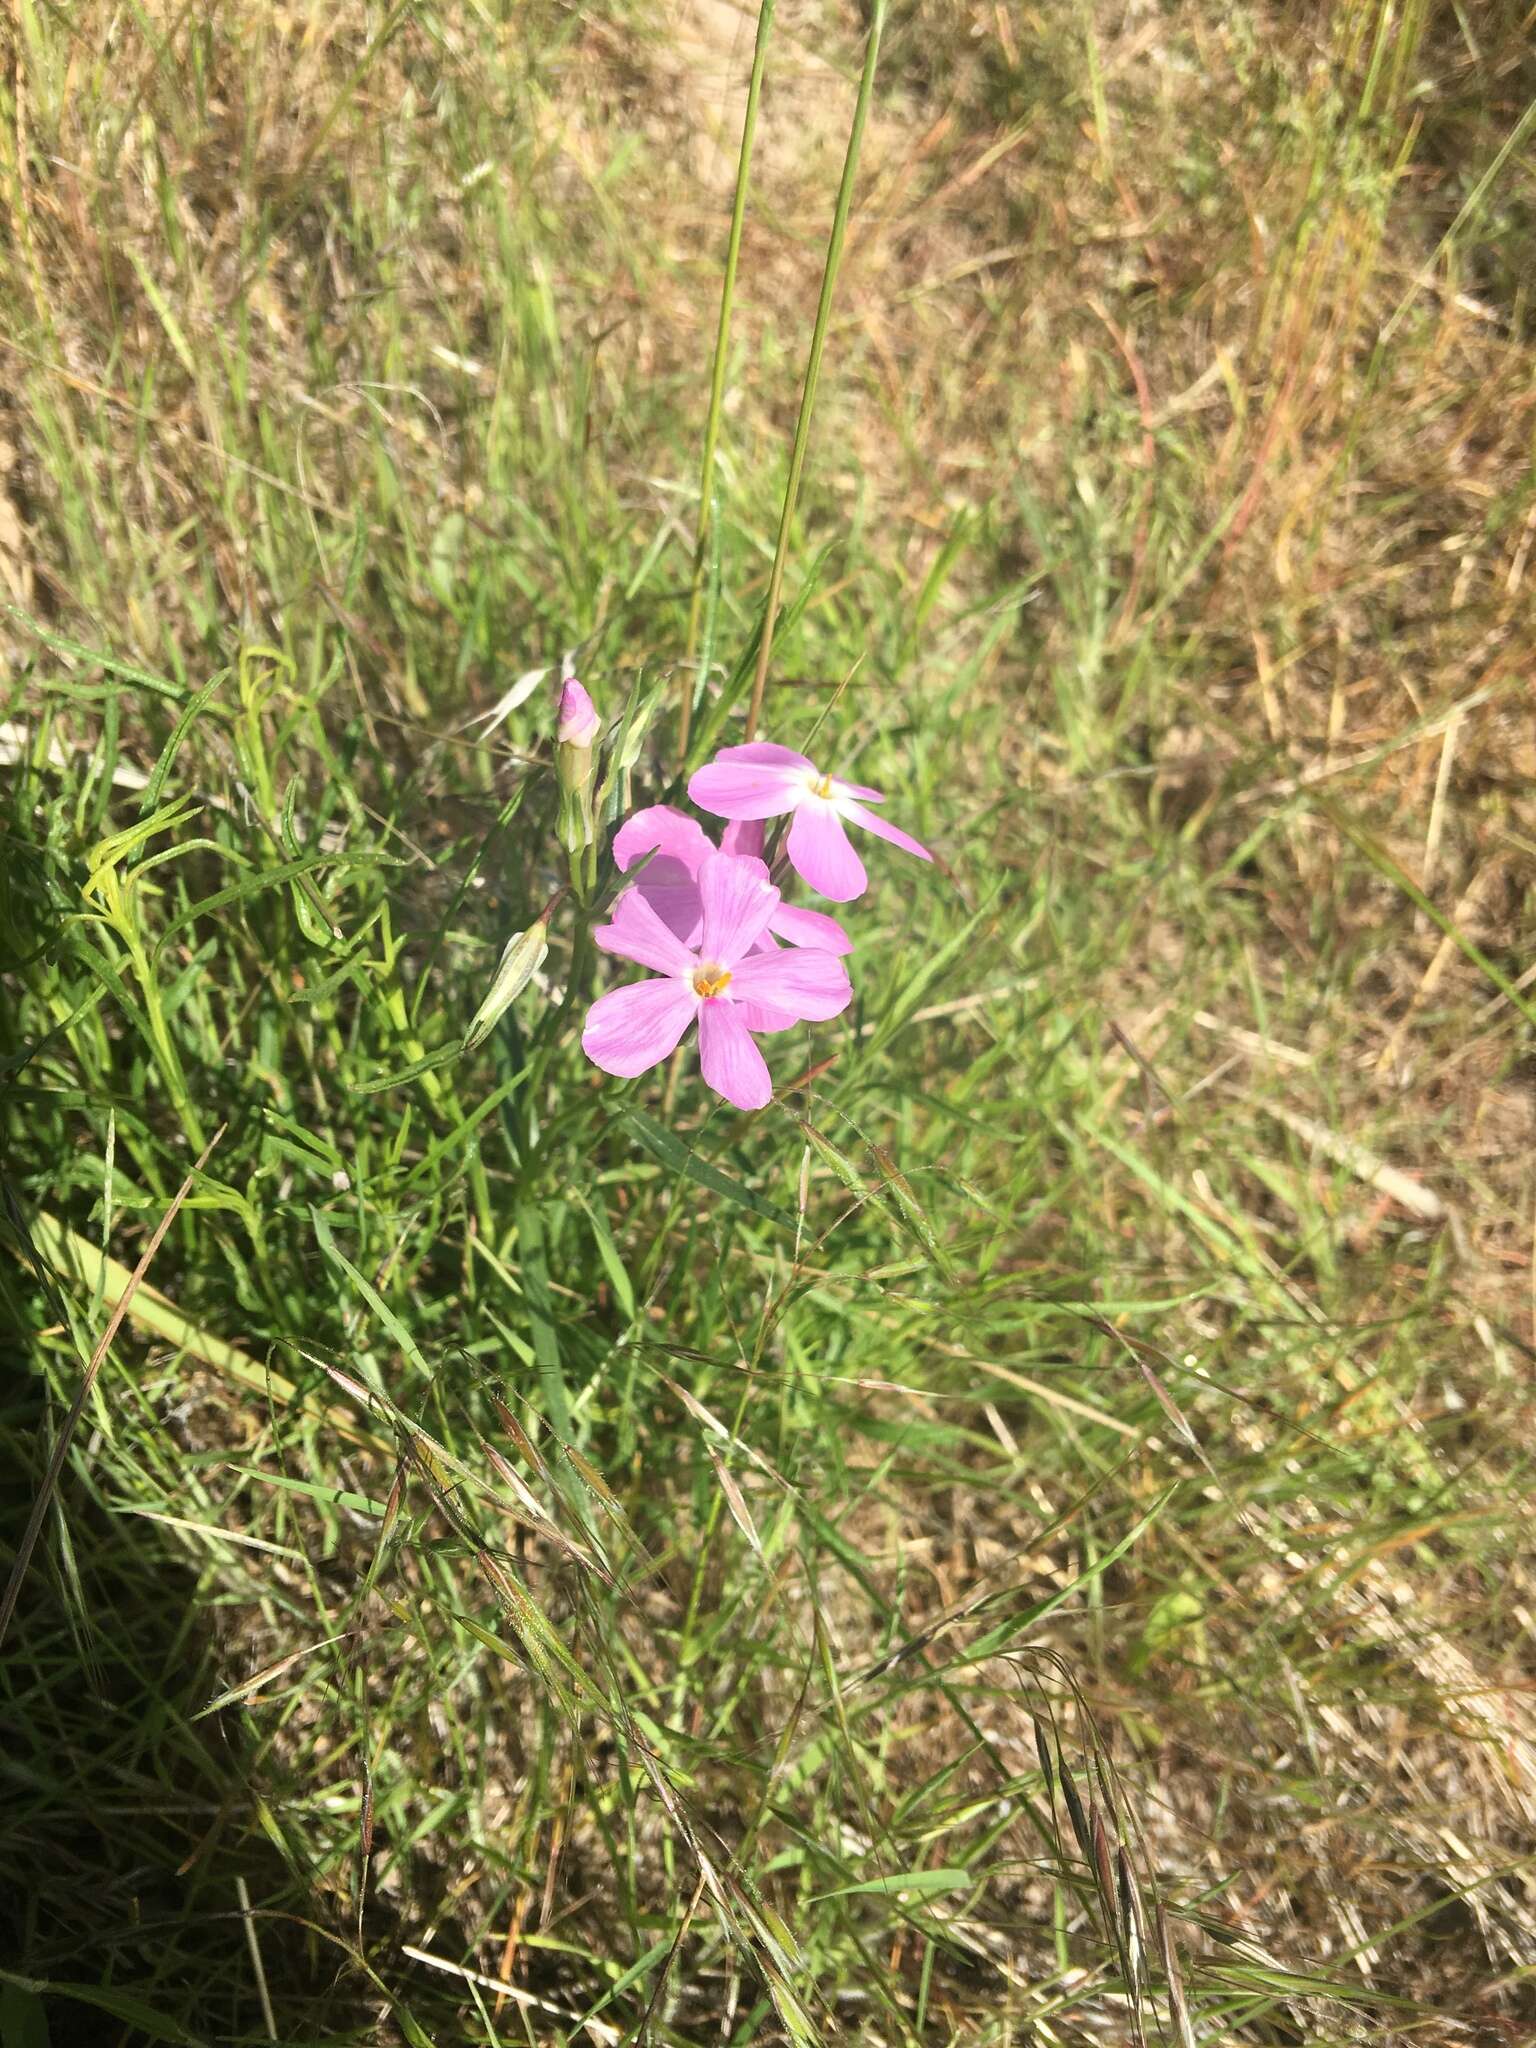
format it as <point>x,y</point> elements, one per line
<point>1015,1539</point>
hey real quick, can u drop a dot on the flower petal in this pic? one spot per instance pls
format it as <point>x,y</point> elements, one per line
<point>818,849</point>
<point>672,892</point>
<point>637,933</point>
<point>661,829</point>
<point>809,928</point>
<point>739,899</point>
<point>768,754</point>
<point>799,981</point>
<point>884,829</point>
<point>731,1063</point>
<point>756,781</point>
<point>870,796</point>
<point>632,1029</point>
<point>764,1017</point>
<point>743,836</point>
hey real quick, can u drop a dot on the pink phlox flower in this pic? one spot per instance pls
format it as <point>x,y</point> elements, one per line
<point>762,780</point>
<point>719,980</point>
<point>669,881</point>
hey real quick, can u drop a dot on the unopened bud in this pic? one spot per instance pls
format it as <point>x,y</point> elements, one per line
<point>579,724</point>
<point>520,962</point>
<point>576,765</point>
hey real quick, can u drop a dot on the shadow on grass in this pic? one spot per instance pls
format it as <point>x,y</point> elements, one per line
<point>131,1831</point>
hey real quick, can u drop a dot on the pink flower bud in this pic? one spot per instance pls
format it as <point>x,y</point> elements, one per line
<point>579,723</point>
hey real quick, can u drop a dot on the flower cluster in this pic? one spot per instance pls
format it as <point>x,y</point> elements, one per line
<point>725,947</point>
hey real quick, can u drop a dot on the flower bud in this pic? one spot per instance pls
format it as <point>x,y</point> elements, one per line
<point>576,764</point>
<point>520,962</point>
<point>579,724</point>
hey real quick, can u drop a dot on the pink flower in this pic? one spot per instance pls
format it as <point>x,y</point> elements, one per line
<point>669,881</point>
<point>731,990</point>
<point>579,724</point>
<point>765,781</point>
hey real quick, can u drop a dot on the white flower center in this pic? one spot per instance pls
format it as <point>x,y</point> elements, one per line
<point>819,784</point>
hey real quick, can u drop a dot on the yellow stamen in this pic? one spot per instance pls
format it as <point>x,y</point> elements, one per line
<point>823,787</point>
<point>710,981</point>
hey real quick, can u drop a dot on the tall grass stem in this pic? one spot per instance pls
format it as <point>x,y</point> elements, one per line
<point>813,361</point>
<point>707,503</point>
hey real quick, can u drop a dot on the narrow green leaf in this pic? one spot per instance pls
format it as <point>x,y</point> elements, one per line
<point>944,562</point>
<point>398,1079</point>
<point>1380,859</point>
<point>608,1252</point>
<point>271,878</point>
<point>121,2005</point>
<point>656,1953</point>
<point>23,2018</point>
<point>916,1884</point>
<point>111,852</point>
<point>179,731</point>
<point>403,1339</point>
<point>666,1146</point>
<point>534,1266</point>
<point>173,328</point>
<point>97,658</point>
<point>917,986</point>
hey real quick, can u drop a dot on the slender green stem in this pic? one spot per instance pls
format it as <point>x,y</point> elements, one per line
<point>702,654</point>
<point>813,361</point>
<point>165,1047</point>
<point>552,1026</point>
<point>717,372</point>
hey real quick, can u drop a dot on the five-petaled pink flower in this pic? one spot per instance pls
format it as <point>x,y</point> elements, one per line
<point>669,881</point>
<point>762,780</point>
<point>720,980</point>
